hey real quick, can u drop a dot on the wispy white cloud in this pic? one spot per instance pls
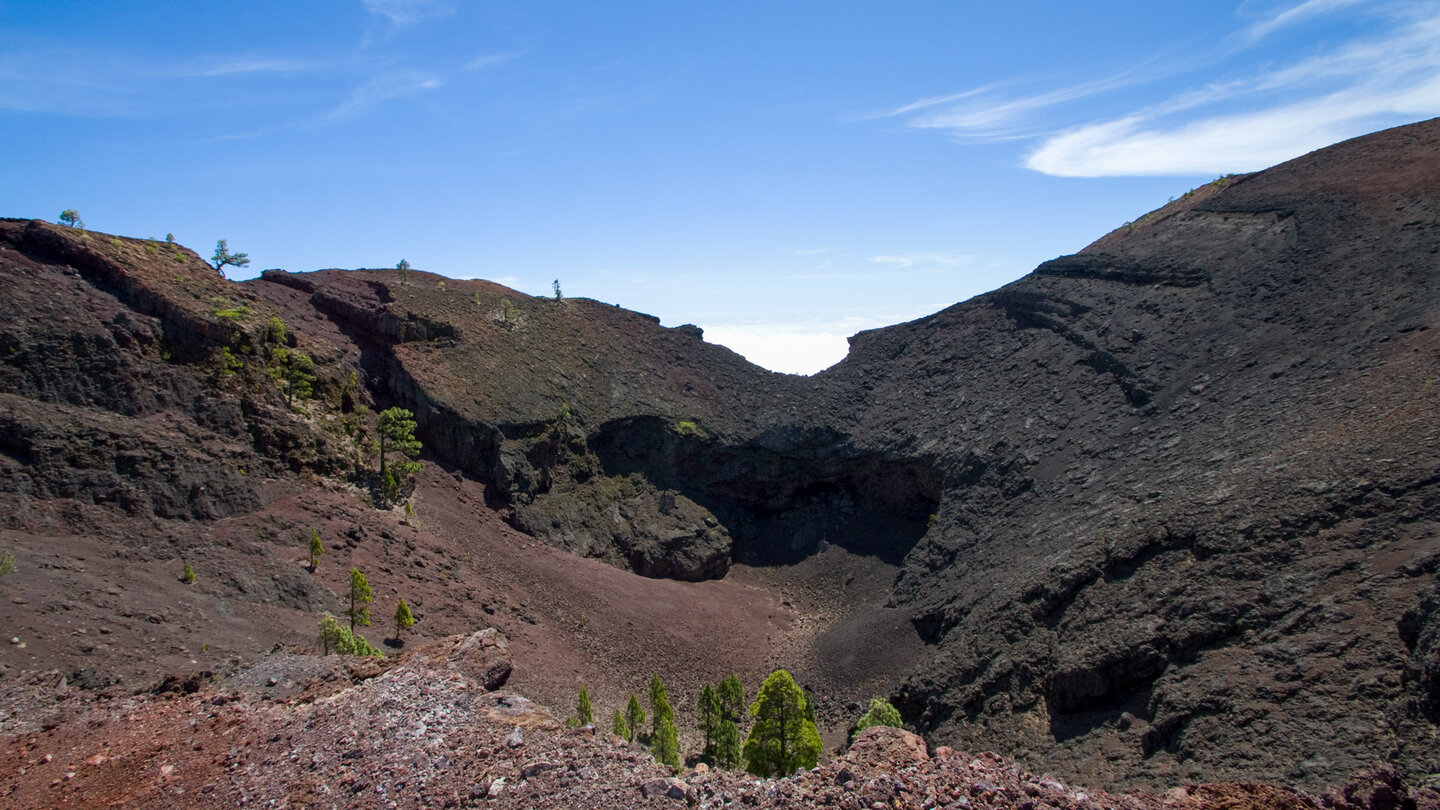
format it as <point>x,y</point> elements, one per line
<point>1291,111</point>
<point>381,88</point>
<point>1294,15</point>
<point>242,65</point>
<point>491,60</point>
<point>404,13</point>
<point>924,260</point>
<point>92,82</point>
<point>987,114</point>
<point>1249,120</point>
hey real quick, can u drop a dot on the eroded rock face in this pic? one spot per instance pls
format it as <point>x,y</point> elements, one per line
<point>628,522</point>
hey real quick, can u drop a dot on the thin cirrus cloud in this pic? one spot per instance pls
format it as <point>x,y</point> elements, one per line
<point>923,260</point>
<point>1268,115</point>
<point>404,13</point>
<point>381,88</point>
<point>1355,89</point>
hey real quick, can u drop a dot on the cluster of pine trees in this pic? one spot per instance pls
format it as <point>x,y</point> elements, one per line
<point>783,736</point>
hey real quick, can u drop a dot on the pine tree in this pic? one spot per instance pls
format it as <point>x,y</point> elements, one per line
<point>395,428</point>
<point>330,635</point>
<point>223,256</point>
<point>731,696</point>
<point>659,705</point>
<point>360,596</point>
<point>880,713</point>
<point>618,726</point>
<point>583,710</point>
<point>732,699</point>
<point>783,738</point>
<point>316,549</point>
<point>708,710</point>
<point>404,619</point>
<point>727,745</point>
<point>665,743</point>
<point>634,718</point>
<point>293,370</point>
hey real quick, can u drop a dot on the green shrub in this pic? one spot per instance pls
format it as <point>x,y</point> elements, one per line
<point>880,713</point>
<point>228,310</point>
<point>335,638</point>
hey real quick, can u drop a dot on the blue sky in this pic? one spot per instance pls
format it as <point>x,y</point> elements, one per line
<point>781,174</point>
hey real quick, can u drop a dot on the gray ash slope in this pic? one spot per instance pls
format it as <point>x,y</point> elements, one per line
<point>1189,484</point>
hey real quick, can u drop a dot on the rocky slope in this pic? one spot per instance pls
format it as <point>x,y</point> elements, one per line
<point>1190,483</point>
<point>427,733</point>
<point>1161,511</point>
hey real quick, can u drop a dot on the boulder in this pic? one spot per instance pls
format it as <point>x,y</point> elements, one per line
<point>484,658</point>
<point>885,744</point>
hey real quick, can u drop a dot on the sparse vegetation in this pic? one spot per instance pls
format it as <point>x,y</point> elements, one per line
<point>402,269</point>
<point>584,711</point>
<point>223,256</point>
<point>664,740</point>
<point>228,310</point>
<point>187,575</point>
<point>880,713</point>
<point>395,428</point>
<point>731,695</point>
<point>335,638</point>
<point>317,548</point>
<point>708,710</point>
<point>509,313</point>
<point>634,718</point>
<point>72,218</point>
<point>230,363</point>
<point>294,370</point>
<point>360,595</point>
<point>784,736</point>
<point>556,286</point>
<point>665,744</point>
<point>618,726</point>
<point>686,427</point>
<point>404,619</point>
<point>356,426</point>
<point>7,563</point>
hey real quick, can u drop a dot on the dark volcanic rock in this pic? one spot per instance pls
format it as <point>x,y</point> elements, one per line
<point>1165,510</point>
<point>1206,491</point>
